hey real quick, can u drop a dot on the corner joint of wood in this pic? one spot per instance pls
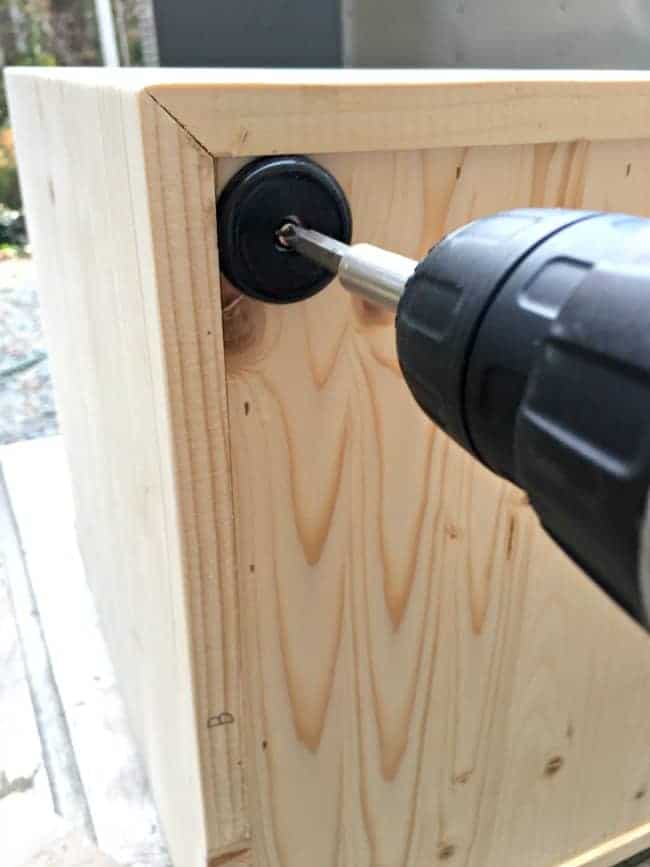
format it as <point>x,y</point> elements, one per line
<point>192,139</point>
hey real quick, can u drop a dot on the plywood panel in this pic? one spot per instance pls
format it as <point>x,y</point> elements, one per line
<point>237,112</point>
<point>429,678</point>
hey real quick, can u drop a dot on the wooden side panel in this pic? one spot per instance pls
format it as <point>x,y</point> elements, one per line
<point>263,111</point>
<point>182,196</point>
<point>127,263</point>
<point>429,680</point>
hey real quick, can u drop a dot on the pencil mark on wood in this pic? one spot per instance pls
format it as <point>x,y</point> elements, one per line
<point>510,539</point>
<point>553,765</point>
<point>462,778</point>
<point>222,719</point>
<point>452,531</point>
<point>446,851</point>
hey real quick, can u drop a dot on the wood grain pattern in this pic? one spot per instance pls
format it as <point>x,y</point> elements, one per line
<point>429,679</point>
<point>424,677</point>
<point>262,112</point>
<point>240,112</point>
<point>189,299</point>
<point>118,198</point>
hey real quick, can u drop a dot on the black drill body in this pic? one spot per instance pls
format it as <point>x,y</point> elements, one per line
<point>524,335</point>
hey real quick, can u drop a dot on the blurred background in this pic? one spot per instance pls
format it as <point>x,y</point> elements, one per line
<point>46,33</point>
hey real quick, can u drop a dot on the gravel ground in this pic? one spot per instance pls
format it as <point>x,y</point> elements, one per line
<point>26,401</point>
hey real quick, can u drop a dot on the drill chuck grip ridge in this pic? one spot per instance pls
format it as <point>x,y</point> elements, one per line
<point>531,348</point>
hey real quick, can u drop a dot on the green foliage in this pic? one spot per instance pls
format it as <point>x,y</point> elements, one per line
<point>136,57</point>
<point>31,53</point>
<point>50,33</point>
<point>9,188</point>
<point>4,108</point>
<point>37,58</point>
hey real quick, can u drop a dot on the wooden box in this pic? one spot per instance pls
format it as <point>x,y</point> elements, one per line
<point>341,641</point>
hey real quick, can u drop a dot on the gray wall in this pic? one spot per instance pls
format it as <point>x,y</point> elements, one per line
<point>497,33</point>
<point>420,33</point>
<point>248,32</point>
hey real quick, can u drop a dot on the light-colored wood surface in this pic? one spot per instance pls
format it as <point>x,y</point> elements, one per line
<point>626,846</point>
<point>417,109</point>
<point>247,112</point>
<point>119,198</point>
<point>429,678</point>
<point>425,677</point>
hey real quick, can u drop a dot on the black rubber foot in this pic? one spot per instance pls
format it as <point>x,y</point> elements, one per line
<point>255,203</point>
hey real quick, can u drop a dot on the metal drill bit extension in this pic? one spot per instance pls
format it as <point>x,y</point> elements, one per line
<point>375,274</point>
